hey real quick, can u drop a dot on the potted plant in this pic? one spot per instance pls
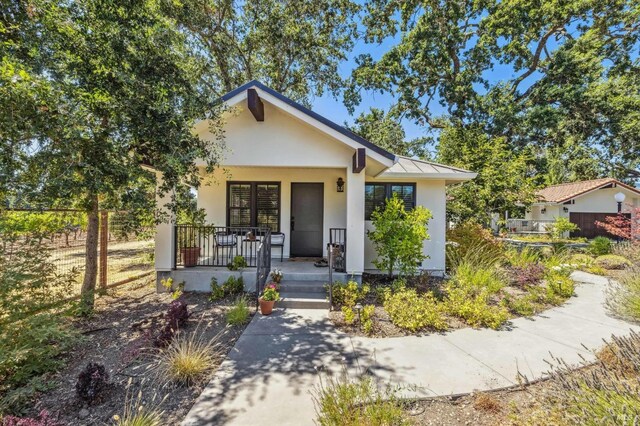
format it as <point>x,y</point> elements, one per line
<point>189,243</point>
<point>277,275</point>
<point>269,297</point>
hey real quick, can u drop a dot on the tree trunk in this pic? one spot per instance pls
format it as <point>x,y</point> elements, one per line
<point>91,259</point>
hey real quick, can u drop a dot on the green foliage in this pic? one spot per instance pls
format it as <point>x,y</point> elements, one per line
<point>293,47</point>
<point>270,293</point>
<point>217,291</point>
<point>349,293</point>
<point>600,246</point>
<point>411,311</point>
<point>176,292</point>
<point>476,279</point>
<point>473,244</point>
<point>30,348</point>
<point>522,258</point>
<point>612,261</point>
<point>560,227</point>
<point>349,314</point>
<point>89,84</point>
<point>239,312</point>
<point>504,181</point>
<point>559,284</point>
<point>233,285</point>
<point>473,307</point>
<point>398,236</point>
<point>525,306</point>
<point>238,263</point>
<point>368,312</point>
<point>578,54</point>
<point>386,131</point>
<point>581,259</point>
<point>346,402</point>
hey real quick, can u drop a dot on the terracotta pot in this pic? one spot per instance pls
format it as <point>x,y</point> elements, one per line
<point>266,306</point>
<point>190,256</point>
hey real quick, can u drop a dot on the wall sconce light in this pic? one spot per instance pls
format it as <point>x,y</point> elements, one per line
<point>544,210</point>
<point>565,209</point>
<point>340,185</point>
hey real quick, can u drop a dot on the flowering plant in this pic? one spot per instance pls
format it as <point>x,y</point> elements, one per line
<point>277,275</point>
<point>270,293</point>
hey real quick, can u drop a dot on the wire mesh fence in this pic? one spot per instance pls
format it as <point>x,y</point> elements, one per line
<point>125,252</point>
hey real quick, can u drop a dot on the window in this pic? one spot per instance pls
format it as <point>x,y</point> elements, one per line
<point>254,204</point>
<point>376,194</point>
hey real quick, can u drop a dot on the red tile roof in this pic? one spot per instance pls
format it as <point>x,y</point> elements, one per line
<point>566,191</point>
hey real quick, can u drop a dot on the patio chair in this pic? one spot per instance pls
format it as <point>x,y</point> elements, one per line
<point>226,240</point>
<point>277,240</point>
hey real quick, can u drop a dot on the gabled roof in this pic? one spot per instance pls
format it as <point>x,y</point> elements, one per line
<point>406,167</point>
<point>346,132</point>
<point>397,166</point>
<point>566,191</point>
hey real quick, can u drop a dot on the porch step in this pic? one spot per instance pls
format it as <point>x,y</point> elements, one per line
<point>300,300</point>
<point>303,286</point>
<point>321,275</point>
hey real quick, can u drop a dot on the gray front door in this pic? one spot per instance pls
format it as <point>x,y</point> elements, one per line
<point>307,205</point>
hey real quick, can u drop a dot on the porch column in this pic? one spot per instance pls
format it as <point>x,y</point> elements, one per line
<point>165,231</point>
<point>355,222</point>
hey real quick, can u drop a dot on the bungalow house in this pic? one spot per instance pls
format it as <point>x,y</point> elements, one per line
<point>292,184</point>
<point>583,203</point>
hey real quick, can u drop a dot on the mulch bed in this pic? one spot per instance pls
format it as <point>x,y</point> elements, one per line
<point>117,337</point>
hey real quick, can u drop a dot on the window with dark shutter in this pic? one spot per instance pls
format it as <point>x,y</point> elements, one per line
<point>268,206</point>
<point>239,204</point>
<point>376,195</point>
<point>253,204</point>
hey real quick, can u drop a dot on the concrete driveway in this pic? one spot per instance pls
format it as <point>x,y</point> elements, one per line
<point>269,376</point>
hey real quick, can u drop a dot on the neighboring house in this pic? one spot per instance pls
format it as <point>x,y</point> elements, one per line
<point>291,183</point>
<point>583,203</point>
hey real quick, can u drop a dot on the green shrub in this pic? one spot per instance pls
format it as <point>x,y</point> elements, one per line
<point>600,246</point>
<point>474,309</point>
<point>349,314</point>
<point>368,318</point>
<point>217,292</point>
<point>411,311</point>
<point>524,306</point>
<point>560,227</point>
<point>595,269</point>
<point>560,285</point>
<point>233,285</point>
<point>612,261</point>
<point>30,348</point>
<point>345,402</point>
<point>239,312</point>
<point>238,263</point>
<point>477,279</point>
<point>581,260</point>
<point>398,236</point>
<point>348,294</point>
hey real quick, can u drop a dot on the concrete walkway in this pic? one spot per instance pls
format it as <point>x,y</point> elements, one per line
<point>268,376</point>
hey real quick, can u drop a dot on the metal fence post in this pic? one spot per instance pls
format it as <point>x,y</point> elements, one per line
<point>104,238</point>
<point>330,256</point>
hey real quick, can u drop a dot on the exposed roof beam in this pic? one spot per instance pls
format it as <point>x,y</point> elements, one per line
<point>255,105</point>
<point>359,160</point>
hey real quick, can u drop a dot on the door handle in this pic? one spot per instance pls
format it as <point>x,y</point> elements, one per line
<point>293,223</point>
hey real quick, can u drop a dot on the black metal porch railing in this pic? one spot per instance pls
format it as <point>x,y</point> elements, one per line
<point>338,241</point>
<point>263,262</point>
<point>197,245</point>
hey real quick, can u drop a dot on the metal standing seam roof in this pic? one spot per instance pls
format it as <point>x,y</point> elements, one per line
<point>566,191</point>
